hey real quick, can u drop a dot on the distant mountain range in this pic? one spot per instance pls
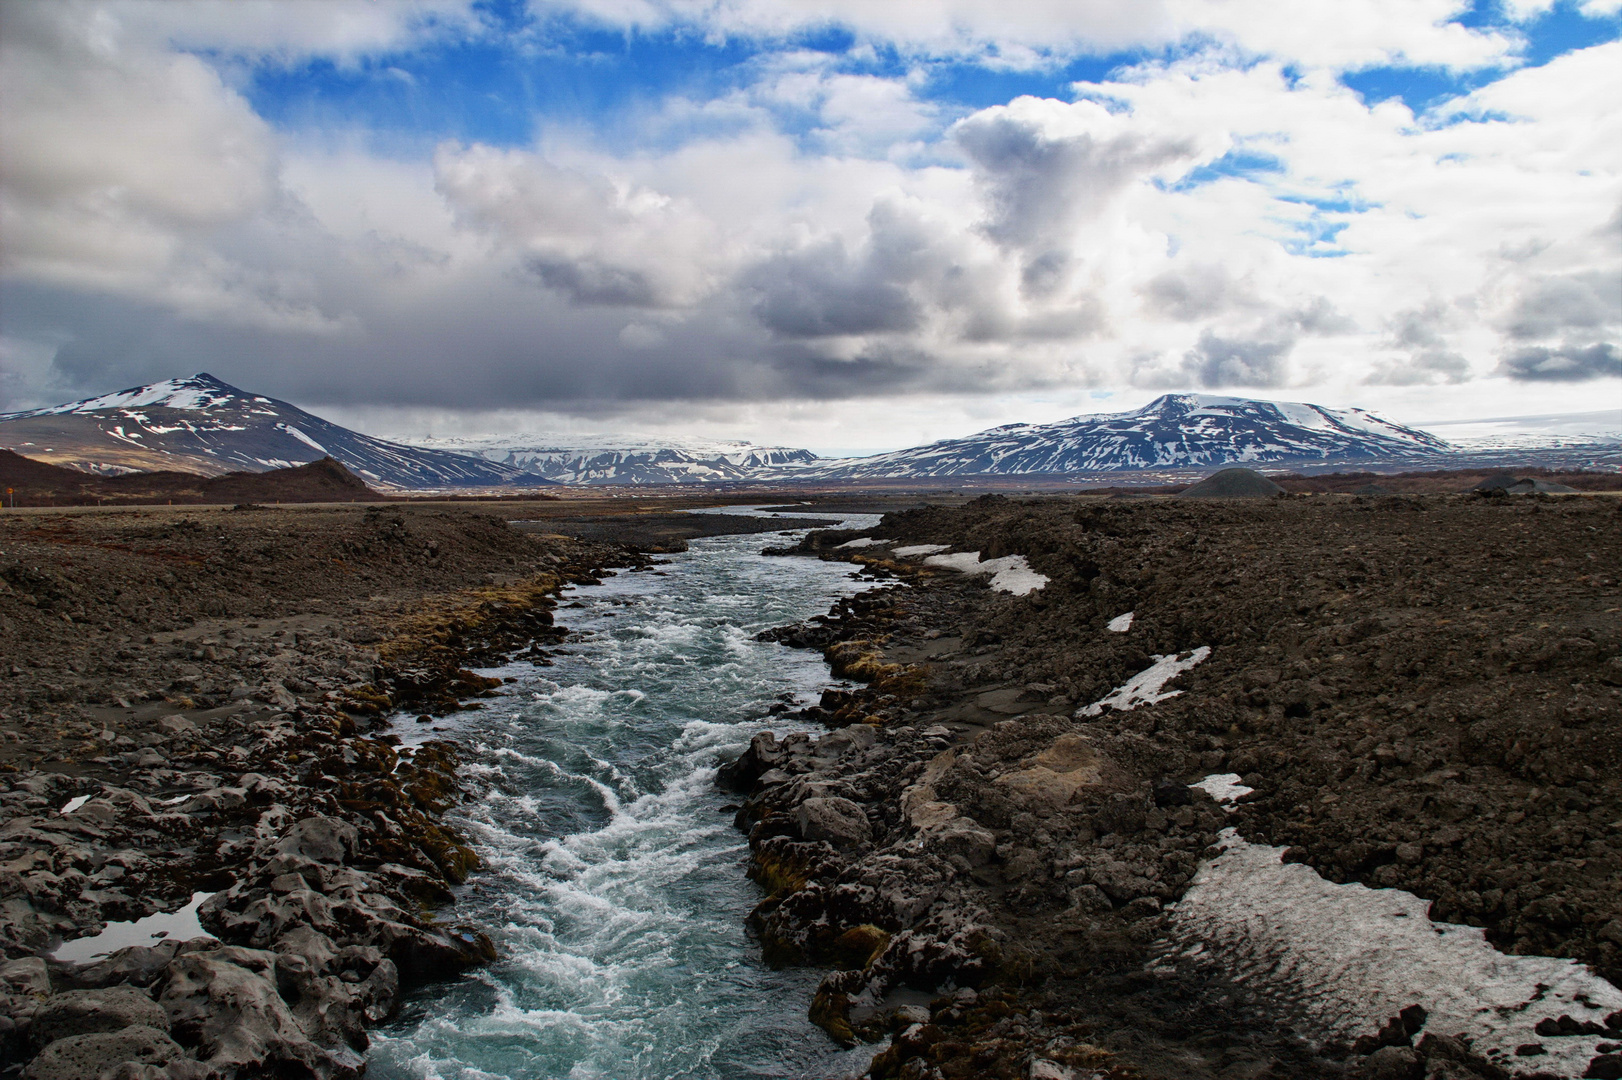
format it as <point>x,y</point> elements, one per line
<point>1172,431</point>
<point>202,425</point>
<point>206,426</point>
<point>607,459</point>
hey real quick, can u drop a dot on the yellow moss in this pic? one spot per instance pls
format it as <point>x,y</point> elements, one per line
<point>859,946</point>
<point>439,618</point>
<point>830,1011</point>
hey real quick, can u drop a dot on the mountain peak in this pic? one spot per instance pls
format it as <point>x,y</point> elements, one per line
<point>1172,431</point>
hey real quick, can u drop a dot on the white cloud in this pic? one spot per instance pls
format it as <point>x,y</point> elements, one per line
<point>831,236</point>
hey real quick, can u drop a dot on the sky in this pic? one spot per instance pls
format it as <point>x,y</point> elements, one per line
<point>836,224</point>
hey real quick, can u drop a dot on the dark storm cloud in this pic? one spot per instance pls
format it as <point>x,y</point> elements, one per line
<point>483,345</point>
<point>1219,361</point>
<point>1040,187</point>
<point>585,281</point>
<point>1567,363</point>
<point>821,291</point>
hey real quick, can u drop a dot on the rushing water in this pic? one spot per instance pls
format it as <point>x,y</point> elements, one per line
<point>614,883</point>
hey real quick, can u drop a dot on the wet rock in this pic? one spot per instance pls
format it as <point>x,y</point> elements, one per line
<point>323,839</point>
<point>1392,1063</point>
<point>135,965</point>
<point>335,993</point>
<point>225,1002</point>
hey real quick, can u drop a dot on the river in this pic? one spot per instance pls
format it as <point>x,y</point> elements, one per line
<point>614,880</point>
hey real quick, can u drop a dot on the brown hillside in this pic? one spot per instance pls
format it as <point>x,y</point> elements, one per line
<point>35,483</point>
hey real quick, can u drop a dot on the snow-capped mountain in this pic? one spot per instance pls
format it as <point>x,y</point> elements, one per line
<point>203,425</point>
<point>1175,430</point>
<point>614,459</point>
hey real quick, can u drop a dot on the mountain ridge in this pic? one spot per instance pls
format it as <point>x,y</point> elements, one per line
<point>1173,431</point>
<point>619,459</point>
<point>203,425</point>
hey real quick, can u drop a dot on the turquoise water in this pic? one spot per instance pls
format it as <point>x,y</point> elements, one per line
<point>614,883</point>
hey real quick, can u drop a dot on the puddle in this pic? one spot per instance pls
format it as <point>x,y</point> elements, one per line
<point>181,925</point>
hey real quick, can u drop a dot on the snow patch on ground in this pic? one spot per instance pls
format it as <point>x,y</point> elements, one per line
<point>1144,688</point>
<point>1121,623</point>
<point>1347,958</point>
<point>859,542</point>
<point>966,562</point>
<point>920,549</point>
<point>1223,787</point>
<point>1009,574</point>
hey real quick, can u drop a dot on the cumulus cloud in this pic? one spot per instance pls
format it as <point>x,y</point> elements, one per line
<point>1555,306</point>
<point>1218,362</point>
<point>812,232</point>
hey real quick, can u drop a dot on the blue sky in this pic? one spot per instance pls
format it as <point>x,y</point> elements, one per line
<point>526,71</point>
<point>812,221</point>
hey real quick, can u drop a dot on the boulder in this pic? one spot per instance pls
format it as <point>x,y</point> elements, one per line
<point>225,1002</point>
<point>324,839</point>
<point>838,821</point>
<point>112,1054</point>
<point>88,1012</point>
<point>335,994</point>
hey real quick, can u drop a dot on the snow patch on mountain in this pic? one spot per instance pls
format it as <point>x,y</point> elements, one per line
<point>201,424</point>
<point>628,459</point>
<point>1175,430</point>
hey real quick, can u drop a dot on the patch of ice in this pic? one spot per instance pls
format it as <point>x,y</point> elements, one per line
<point>1121,623</point>
<point>74,803</point>
<point>1144,688</point>
<point>1223,787</point>
<point>1009,574</point>
<point>913,550</point>
<point>859,542</point>
<point>181,925</point>
<point>1348,958</point>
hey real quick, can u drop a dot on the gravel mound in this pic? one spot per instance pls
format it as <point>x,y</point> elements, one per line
<point>1233,484</point>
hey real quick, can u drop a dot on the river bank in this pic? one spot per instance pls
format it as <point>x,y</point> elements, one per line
<point>195,708</point>
<point>1419,695</point>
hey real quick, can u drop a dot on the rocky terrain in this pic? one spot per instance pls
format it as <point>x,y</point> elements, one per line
<point>192,706</point>
<point>1417,692</point>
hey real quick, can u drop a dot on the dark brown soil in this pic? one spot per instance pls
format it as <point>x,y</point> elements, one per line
<point>1439,481</point>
